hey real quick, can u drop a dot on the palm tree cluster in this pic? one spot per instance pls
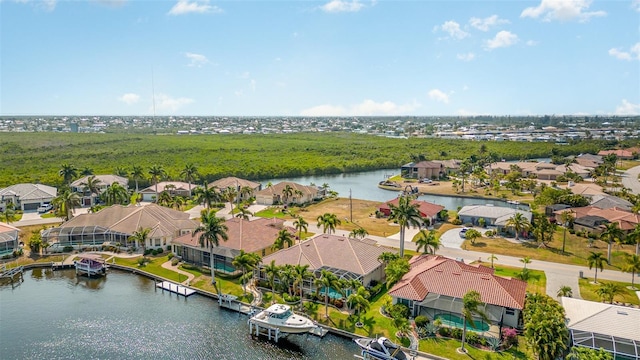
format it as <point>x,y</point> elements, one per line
<point>328,222</point>
<point>246,262</point>
<point>545,328</point>
<point>211,230</point>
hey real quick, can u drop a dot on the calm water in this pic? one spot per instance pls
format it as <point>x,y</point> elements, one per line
<point>364,185</point>
<point>53,315</point>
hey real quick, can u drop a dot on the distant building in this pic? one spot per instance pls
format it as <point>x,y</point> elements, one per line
<point>237,184</point>
<point>27,197</point>
<point>275,194</point>
<point>427,210</point>
<point>104,181</point>
<point>175,188</point>
<point>493,215</point>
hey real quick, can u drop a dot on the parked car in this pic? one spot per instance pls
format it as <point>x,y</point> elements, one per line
<point>463,232</point>
<point>44,208</point>
<point>426,181</point>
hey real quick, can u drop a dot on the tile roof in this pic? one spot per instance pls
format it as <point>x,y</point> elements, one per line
<point>233,182</point>
<point>601,318</point>
<point>127,219</point>
<point>626,220</point>
<point>440,275</point>
<point>276,189</point>
<point>606,201</point>
<point>178,185</point>
<point>353,255</point>
<point>105,180</point>
<point>250,236</point>
<point>426,208</point>
<point>4,227</point>
<point>30,191</point>
<point>500,213</point>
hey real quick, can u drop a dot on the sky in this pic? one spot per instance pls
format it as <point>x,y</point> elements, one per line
<point>319,58</point>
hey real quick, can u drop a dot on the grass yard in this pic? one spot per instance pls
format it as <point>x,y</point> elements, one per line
<point>537,282</point>
<point>447,348</point>
<point>588,291</point>
<point>153,267</point>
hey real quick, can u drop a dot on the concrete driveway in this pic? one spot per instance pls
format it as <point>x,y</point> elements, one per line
<point>452,239</point>
<point>630,179</point>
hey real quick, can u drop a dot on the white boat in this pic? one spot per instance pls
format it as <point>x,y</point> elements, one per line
<point>281,317</point>
<point>380,348</point>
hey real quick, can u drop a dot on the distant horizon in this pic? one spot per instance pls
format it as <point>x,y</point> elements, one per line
<point>328,58</point>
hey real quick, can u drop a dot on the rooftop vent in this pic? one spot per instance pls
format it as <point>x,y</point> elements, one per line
<point>620,312</point>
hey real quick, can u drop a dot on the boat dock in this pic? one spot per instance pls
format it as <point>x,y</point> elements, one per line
<point>175,288</point>
<point>12,273</point>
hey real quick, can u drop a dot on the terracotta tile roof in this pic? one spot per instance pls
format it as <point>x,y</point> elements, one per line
<point>626,220</point>
<point>252,236</point>
<point>426,208</point>
<point>4,227</point>
<point>234,182</point>
<point>353,255</point>
<point>440,275</point>
<point>619,153</point>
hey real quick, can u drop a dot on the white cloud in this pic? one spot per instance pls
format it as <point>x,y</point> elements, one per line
<point>453,29</point>
<point>502,39</point>
<point>532,43</point>
<point>336,6</point>
<point>46,5</point>
<point>635,5</point>
<point>438,95</point>
<point>465,88</point>
<point>112,3</point>
<point>632,54</point>
<point>486,23</point>
<point>245,75</point>
<point>466,57</point>
<point>129,98</point>
<point>196,60</point>
<point>252,84</point>
<point>196,6</point>
<point>366,108</point>
<point>166,102</point>
<point>628,108</point>
<point>563,10</point>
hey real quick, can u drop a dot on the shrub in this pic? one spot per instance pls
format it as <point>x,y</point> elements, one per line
<point>175,261</point>
<point>510,336</point>
<point>159,251</point>
<point>170,256</point>
<point>472,337</point>
<point>421,321</point>
<point>5,257</point>
<point>376,289</point>
<point>67,248</point>
<point>147,251</point>
<point>456,222</point>
<point>444,331</point>
<point>338,303</point>
<point>399,311</point>
<point>494,343</point>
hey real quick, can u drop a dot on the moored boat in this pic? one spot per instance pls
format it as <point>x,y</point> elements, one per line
<point>380,348</point>
<point>281,317</point>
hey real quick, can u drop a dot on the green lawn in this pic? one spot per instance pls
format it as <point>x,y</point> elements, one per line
<point>537,282</point>
<point>447,348</point>
<point>274,212</point>
<point>588,291</point>
<point>153,267</point>
<point>48,215</point>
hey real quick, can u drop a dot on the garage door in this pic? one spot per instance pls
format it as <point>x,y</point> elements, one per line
<point>32,206</point>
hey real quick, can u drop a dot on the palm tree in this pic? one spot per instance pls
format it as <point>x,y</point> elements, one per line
<point>300,224</point>
<point>211,230</point>
<point>298,195</point>
<point>245,261</point>
<point>92,184</point>
<point>608,291</point>
<point>565,290</point>
<point>387,257</point>
<point>526,260</point>
<point>395,270</point>
<point>68,172</point>
<point>271,271</point>
<point>120,171</point>
<point>491,258</point>
<point>405,214</point>
<point>284,237</point>
<point>243,213</point>
<point>611,234</point>
<point>246,192</point>
<point>165,199</point>
<point>566,218</point>
<point>287,192</point>
<point>326,281</point>
<point>328,221</point>
<point>519,223</point>
<point>157,172</point>
<point>631,265</point>
<point>634,237</point>
<point>137,173</point>
<point>188,173</point>
<point>86,171</point>
<point>359,301</point>
<point>65,204</point>
<point>206,195</point>
<point>229,194</point>
<point>359,233</point>
<point>140,236</point>
<point>470,306</point>
<point>300,274</point>
<point>429,241</point>
<point>596,260</point>
<point>116,194</point>
<point>8,214</point>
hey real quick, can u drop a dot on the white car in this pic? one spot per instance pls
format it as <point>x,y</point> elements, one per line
<point>44,208</point>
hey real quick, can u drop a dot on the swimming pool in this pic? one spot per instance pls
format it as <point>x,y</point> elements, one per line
<point>454,320</point>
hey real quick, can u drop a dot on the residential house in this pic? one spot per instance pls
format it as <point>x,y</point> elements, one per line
<point>27,197</point>
<point>626,220</point>
<point>115,224</point>
<point>274,194</point>
<point>435,286</point>
<point>423,170</point>
<point>237,184</point>
<point>427,210</point>
<point>347,258</point>
<point>620,154</point>
<point>255,236</point>
<point>493,215</point>
<point>539,170</point>
<point>589,160</point>
<point>103,182</point>
<point>175,188</point>
<point>8,239</point>
<point>596,325</point>
<point>606,201</point>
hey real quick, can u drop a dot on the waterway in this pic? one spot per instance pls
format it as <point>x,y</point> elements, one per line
<point>54,315</point>
<point>364,186</point>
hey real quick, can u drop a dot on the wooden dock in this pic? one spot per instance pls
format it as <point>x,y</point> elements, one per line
<point>175,288</point>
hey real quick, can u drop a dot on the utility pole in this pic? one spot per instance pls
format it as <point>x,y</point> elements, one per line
<point>350,206</point>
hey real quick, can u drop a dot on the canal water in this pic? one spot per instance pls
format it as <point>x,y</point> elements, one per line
<point>54,315</point>
<point>364,186</point>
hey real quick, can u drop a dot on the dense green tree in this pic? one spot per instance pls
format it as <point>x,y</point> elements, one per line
<point>472,235</point>
<point>210,231</point>
<point>519,223</point>
<point>543,229</point>
<point>583,353</point>
<point>189,173</point>
<point>545,329</point>
<point>406,214</point>
<point>65,203</point>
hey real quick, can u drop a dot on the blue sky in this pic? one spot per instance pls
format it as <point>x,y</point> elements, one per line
<point>324,58</point>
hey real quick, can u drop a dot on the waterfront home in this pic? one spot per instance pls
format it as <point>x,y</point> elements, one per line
<point>8,239</point>
<point>115,224</point>
<point>589,218</point>
<point>275,194</point>
<point>539,170</point>
<point>620,154</point>
<point>237,184</point>
<point>435,285</point>
<point>175,188</point>
<point>27,197</point>
<point>427,210</point>
<point>493,215</point>
<point>596,325</point>
<point>430,169</point>
<point>255,236</point>
<point>347,258</point>
<point>103,182</point>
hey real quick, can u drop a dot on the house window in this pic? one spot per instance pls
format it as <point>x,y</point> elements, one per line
<point>510,311</point>
<point>264,252</point>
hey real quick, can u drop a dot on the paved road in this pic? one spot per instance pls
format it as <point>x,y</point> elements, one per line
<point>630,179</point>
